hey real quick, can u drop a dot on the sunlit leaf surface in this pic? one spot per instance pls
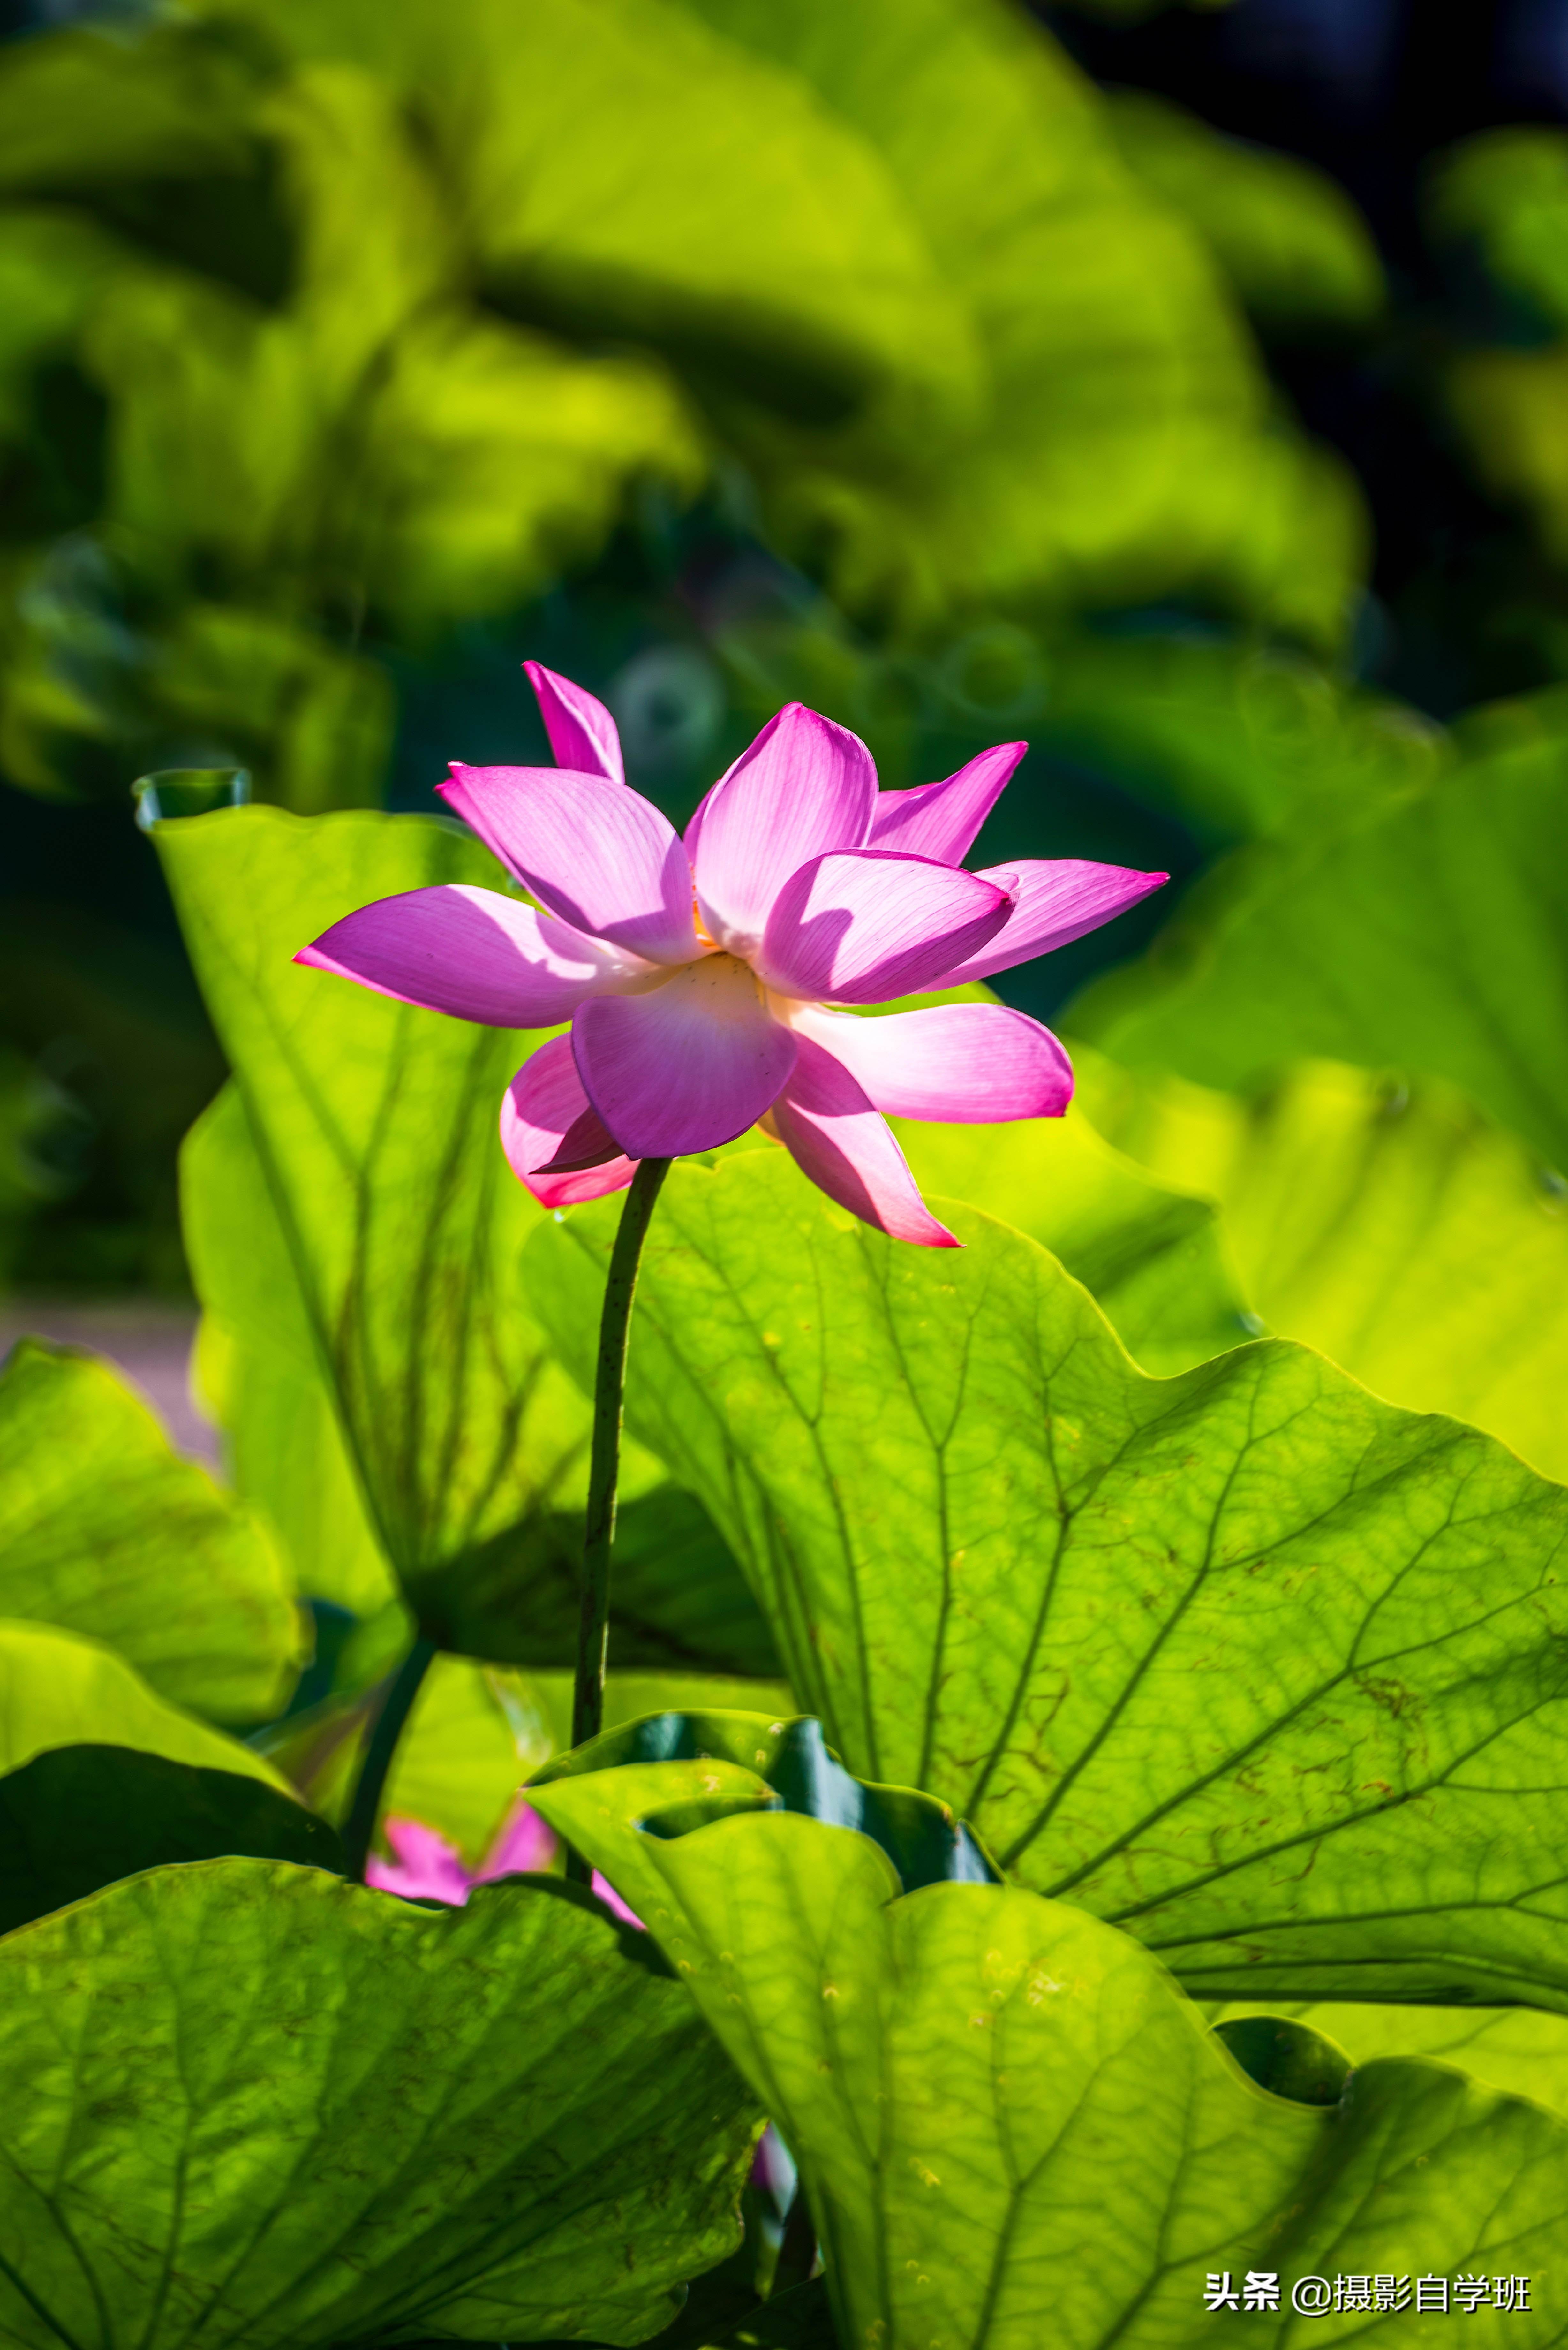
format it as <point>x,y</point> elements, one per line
<point>495,2120</point>
<point>1246,1661</point>
<point>58,1689</point>
<point>1150,1255</point>
<point>1004,2108</point>
<point>107,1532</point>
<point>356,1236</point>
<point>1390,1225</point>
<point>370,1136</point>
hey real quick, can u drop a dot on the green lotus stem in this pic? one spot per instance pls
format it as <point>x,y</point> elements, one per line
<point>396,1707</point>
<point>604,1466</point>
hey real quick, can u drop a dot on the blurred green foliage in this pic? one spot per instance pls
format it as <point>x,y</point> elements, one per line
<point>715,353</point>
<point>1290,241</point>
<point>374,315</point>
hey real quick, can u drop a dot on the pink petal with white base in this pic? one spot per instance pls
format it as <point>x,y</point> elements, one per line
<point>589,849</point>
<point>426,1868</point>
<point>473,954</point>
<point>1056,902</point>
<point>941,820</point>
<point>581,731</point>
<point>554,1138</point>
<point>861,927</point>
<point>686,1066</point>
<point>805,785</point>
<point>833,1134</point>
<point>963,1064</point>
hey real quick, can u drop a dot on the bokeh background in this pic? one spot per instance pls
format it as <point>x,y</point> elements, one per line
<point>1184,390</point>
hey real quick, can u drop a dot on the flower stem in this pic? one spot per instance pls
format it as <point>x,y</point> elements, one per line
<point>609,1388</point>
<point>396,1708</point>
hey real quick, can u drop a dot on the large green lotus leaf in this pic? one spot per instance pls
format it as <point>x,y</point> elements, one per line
<point>58,1689</point>
<point>403,1333</point>
<point>106,1531</point>
<point>1288,237</point>
<point>257,1367</point>
<point>1002,2107</point>
<point>79,1818</point>
<point>1149,1254</point>
<point>1246,1661</point>
<point>1390,1225</point>
<point>496,2121</point>
<point>1128,451</point>
<point>1431,936</point>
<point>679,1595</point>
<point>514,1590</point>
<point>373,1127</point>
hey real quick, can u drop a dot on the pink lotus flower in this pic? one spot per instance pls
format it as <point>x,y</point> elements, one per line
<point>707,980</point>
<point>427,1869</point>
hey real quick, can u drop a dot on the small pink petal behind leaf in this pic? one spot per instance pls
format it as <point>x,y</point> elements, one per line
<point>555,1140</point>
<point>525,1842</point>
<point>426,1868</point>
<point>688,1066</point>
<point>589,849</point>
<point>941,820</point>
<point>861,927</point>
<point>963,1064</point>
<point>834,1135</point>
<point>1056,902</point>
<point>612,1900</point>
<point>473,954</point>
<point>804,786</point>
<point>582,732</point>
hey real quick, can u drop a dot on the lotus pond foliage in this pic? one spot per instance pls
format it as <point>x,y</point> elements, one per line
<point>880,1657</point>
<point>993,1720</point>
